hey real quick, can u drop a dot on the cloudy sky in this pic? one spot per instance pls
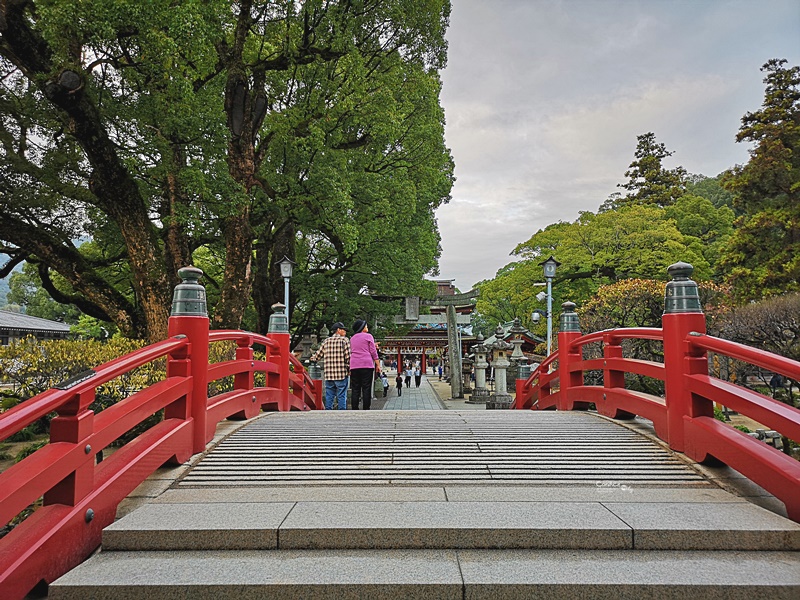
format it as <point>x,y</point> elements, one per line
<point>544,100</point>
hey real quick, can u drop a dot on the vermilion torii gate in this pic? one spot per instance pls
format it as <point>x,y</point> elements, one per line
<point>454,306</point>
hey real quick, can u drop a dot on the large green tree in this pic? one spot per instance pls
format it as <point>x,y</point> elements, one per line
<point>762,257</point>
<point>649,182</point>
<point>226,133</point>
<point>703,226</point>
<point>635,241</point>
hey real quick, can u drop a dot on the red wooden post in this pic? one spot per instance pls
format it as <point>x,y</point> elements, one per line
<point>190,318</point>
<point>74,423</point>
<point>279,331</point>
<point>568,330</point>
<point>523,392</point>
<point>682,316</point>
<point>612,378</point>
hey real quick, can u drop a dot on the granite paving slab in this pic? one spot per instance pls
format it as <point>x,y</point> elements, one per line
<point>452,525</point>
<point>249,575</point>
<point>708,526</point>
<point>614,575</point>
<point>197,527</point>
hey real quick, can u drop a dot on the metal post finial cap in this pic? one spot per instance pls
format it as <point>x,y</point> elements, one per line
<point>189,296</point>
<point>278,323</point>
<point>569,318</point>
<point>681,294</point>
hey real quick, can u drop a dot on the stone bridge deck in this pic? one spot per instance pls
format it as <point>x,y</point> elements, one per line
<point>442,504</point>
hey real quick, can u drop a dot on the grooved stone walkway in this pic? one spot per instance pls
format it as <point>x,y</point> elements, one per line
<point>412,447</point>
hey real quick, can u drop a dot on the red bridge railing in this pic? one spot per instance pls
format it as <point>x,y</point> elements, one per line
<point>80,494</point>
<point>684,417</point>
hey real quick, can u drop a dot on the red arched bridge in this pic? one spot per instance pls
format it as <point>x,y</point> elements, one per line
<point>81,494</point>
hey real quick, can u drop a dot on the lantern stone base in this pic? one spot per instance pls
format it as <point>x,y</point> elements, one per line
<point>499,401</point>
<point>479,396</point>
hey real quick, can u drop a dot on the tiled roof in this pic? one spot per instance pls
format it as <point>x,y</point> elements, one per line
<point>19,321</point>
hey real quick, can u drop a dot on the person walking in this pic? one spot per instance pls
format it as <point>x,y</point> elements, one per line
<point>409,374</point>
<point>364,362</point>
<point>385,382</point>
<point>417,376</point>
<point>440,372</point>
<point>336,352</point>
<point>399,382</point>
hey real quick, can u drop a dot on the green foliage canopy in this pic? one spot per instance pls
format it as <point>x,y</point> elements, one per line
<point>230,134</point>
<point>762,258</point>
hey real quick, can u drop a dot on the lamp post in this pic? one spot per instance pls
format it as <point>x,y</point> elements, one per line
<point>549,272</point>
<point>286,266</point>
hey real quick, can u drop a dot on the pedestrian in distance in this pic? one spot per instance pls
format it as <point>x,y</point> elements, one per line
<point>399,383</point>
<point>417,375</point>
<point>364,363</point>
<point>409,375</point>
<point>385,382</point>
<point>440,372</point>
<point>336,352</point>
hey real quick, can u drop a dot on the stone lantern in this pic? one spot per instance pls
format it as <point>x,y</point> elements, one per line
<point>316,369</point>
<point>501,351</point>
<point>466,371</point>
<point>305,344</point>
<point>481,394</point>
<point>517,358</point>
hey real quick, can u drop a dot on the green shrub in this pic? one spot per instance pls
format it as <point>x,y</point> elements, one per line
<point>29,449</point>
<point>23,435</point>
<point>743,428</point>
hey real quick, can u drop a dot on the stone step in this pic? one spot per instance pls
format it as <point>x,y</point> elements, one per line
<point>452,525</point>
<point>432,575</point>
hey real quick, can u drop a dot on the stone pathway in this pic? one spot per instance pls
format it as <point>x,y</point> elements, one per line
<point>423,397</point>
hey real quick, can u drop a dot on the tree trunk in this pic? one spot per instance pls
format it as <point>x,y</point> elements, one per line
<point>268,286</point>
<point>112,184</point>
<point>237,282</point>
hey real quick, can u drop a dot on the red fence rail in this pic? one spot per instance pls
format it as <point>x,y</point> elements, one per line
<point>80,494</point>
<point>684,417</point>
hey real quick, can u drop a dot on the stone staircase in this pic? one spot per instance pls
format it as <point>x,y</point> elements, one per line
<point>327,534</point>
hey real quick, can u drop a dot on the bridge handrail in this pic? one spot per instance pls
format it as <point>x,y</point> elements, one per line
<point>80,495</point>
<point>620,333</point>
<point>684,417</point>
<point>25,413</point>
<point>246,337</point>
<point>766,360</point>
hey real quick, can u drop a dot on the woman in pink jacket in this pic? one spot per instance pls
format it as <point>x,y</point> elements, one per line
<point>364,363</point>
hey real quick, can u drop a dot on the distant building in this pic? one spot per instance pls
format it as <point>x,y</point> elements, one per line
<point>445,287</point>
<point>15,326</point>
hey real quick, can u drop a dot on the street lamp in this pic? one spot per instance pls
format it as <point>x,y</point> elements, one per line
<point>286,266</point>
<point>549,272</point>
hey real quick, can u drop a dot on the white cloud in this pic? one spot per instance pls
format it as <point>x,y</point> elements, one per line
<point>544,101</point>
